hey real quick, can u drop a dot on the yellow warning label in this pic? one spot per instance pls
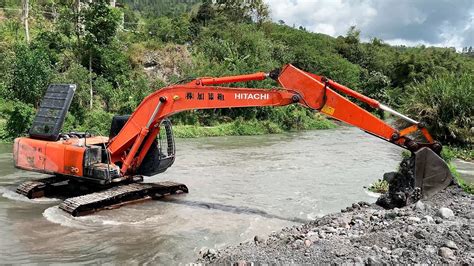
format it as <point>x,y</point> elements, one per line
<point>328,110</point>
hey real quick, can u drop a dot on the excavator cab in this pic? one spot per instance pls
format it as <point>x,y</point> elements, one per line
<point>162,152</point>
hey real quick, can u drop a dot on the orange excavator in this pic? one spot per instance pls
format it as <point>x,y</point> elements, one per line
<point>106,172</point>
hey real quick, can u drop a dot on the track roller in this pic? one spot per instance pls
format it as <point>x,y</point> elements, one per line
<point>120,195</point>
<point>41,187</point>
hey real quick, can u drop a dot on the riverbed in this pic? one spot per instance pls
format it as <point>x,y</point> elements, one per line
<point>239,187</point>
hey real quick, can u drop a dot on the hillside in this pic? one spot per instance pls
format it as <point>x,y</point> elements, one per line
<point>124,53</point>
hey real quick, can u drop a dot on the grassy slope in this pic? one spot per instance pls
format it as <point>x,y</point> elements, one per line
<point>241,128</point>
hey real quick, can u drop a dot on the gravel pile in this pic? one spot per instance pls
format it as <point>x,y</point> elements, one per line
<point>439,230</point>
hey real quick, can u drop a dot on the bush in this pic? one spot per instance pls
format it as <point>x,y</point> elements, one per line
<point>31,74</point>
<point>445,104</point>
<point>97,122</point>
<point>379,186</point>
<point>449,153</point>
<point>468,187</point>
<point>19,120</point>
<point>6,107</point>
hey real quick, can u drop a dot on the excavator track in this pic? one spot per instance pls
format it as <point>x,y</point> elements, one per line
<point>40,187</point>
<point>120,195</point>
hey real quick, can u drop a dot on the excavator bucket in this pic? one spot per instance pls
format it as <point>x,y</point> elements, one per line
<point>432,174</point>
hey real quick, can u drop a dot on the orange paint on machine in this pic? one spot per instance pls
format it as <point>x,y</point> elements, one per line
<point>55,157</point>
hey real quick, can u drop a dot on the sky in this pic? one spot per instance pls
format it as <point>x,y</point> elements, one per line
<point>445,23</point>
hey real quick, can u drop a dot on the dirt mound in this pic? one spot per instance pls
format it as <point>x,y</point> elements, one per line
<point>439,230</point>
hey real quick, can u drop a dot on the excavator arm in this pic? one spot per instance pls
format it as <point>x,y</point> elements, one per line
<point>130,146</point>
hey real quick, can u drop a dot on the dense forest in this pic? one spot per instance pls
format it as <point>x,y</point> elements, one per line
<point>118,55</point>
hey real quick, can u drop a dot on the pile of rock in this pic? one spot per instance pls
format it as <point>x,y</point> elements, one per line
<point>436,231</point>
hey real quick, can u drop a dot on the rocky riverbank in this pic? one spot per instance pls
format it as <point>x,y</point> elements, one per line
<point>439,230</point>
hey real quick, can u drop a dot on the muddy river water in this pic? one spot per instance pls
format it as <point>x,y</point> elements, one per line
<point>239,187</point>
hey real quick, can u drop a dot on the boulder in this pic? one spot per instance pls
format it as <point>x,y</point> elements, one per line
<point>445,213</point>
<point>450,244</point>
<point>446,253</point>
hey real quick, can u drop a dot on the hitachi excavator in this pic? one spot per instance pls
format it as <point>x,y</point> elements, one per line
<point>96,172</point>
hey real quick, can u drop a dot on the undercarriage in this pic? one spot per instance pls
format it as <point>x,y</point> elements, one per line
<point>82,198</point>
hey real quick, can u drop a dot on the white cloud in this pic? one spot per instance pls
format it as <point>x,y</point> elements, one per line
<point>441,23</point>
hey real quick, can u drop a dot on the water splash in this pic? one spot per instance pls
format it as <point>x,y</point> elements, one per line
<point>12,195</point>
<point>56,215</point>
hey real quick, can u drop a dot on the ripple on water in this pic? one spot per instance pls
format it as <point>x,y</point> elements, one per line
<point>372,194</point>
<point>58,216</point>
<point>12,195</point>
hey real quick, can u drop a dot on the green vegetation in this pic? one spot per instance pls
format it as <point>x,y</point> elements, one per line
<point>468,187</point>
<point>449,154</point>
<point>242,127</point>
<point>379,186</point>
<point>446,103</point>
<point>117,56</point>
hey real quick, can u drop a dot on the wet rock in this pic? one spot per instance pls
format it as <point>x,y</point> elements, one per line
<point>212,251</point>
<point>428,219</point>
<point>390,215</point>
<point>259,239</point>
<point>357,260</point>
<point>446,253</point>
<point>374,218</point>
<point>414,219</point>
<point>398,251</point>
<point>445,213</point>
<point>421,234</point>
<point>376,248</point>
<point>419,206</point>
<point>203,251</point>
<point>374,261</point>
<point>430,249</point>
<point>342,222</point>
<point>450,244</point>
<point>298,243</point>
<point>322,235</point>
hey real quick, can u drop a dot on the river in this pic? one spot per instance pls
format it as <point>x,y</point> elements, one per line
<point>239,187</point>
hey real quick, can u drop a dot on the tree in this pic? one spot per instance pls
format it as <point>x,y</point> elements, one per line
<point>100,26</point>
<point>24,17</point>
<point>31,74</point>
<point>243,10</point>
<point>205,13</point>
